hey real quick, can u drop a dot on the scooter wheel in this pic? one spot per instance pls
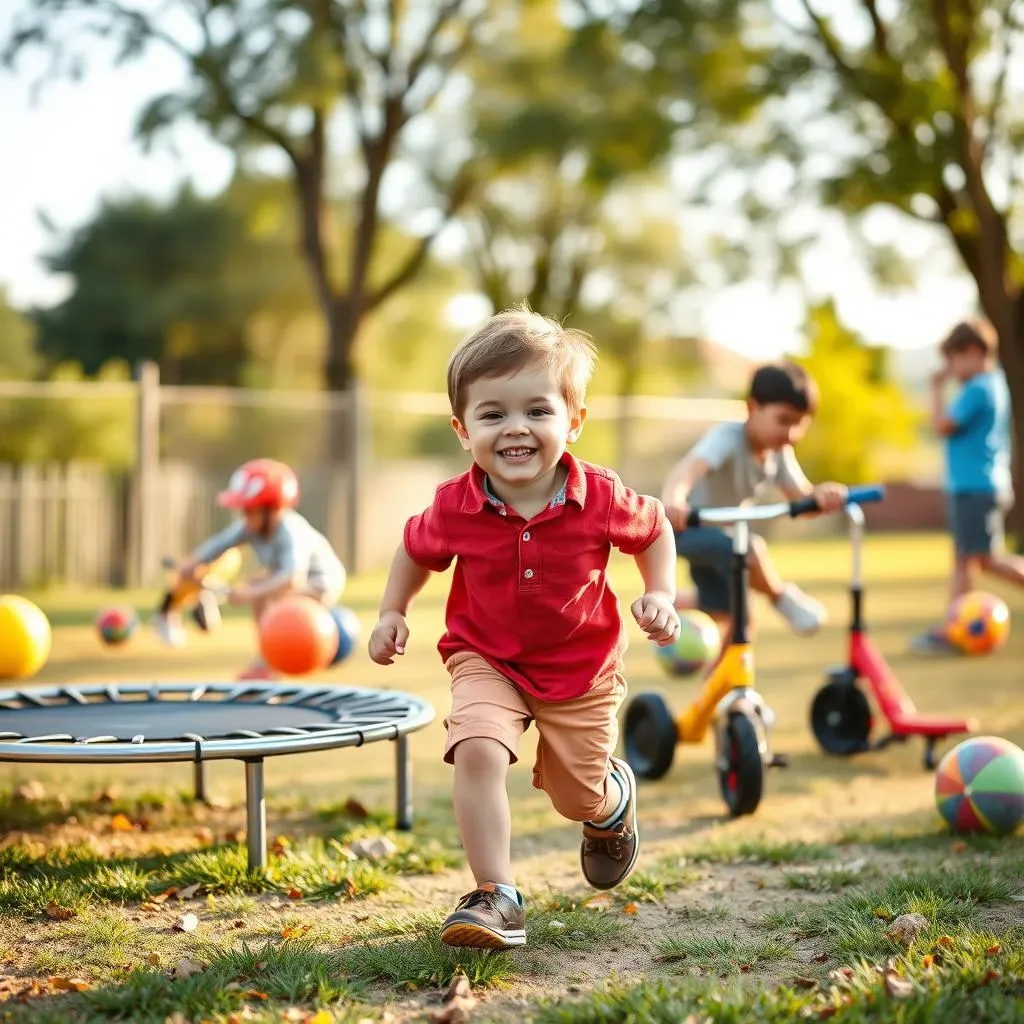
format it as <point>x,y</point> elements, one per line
<point>841,719</point>
<point>650,736</point>
<point>741,764</point>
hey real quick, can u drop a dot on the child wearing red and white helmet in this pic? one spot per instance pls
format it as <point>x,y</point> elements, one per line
<point>298,559</point>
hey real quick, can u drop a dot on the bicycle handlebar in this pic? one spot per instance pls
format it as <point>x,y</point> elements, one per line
<point>761,513</point>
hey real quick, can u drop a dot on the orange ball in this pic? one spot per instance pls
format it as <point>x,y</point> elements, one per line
<point>297,635</point>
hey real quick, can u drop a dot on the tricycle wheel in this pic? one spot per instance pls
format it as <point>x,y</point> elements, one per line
<point>650,736</point>
<point>841,719</point>
<point>741,764</point>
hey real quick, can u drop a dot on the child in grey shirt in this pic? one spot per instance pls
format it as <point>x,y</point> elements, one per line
<point>735,464</point>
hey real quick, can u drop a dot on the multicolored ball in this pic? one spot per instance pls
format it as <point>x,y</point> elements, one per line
<point>979,786</point>
<point>698,645</point>
<point>116,625</point>
<point>978,623</point>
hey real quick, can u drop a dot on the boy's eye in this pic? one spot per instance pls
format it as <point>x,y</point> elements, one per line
<point>491,416</point>
<point>540,412</point>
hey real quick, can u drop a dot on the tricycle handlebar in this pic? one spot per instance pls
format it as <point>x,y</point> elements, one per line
<point>762,513</point>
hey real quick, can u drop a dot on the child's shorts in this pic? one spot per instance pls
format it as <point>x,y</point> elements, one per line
<point>576,736</point>
<point>709,553</point>
<point>976,522</point>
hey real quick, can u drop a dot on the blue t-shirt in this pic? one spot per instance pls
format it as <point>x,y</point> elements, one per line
<point>978,450</point>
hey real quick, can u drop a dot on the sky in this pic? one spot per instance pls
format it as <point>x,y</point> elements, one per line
<point>72,145</point>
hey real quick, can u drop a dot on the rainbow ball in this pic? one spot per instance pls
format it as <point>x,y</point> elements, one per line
<point>698,645</point>
<point>117,624</point>
<point>979,786</point>
<point>978,623</point>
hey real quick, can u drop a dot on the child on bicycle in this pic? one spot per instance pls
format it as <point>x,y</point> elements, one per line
<point>297,558</point>
<point>735,464</point>
<point>979,489</point>
<point>534,632</point>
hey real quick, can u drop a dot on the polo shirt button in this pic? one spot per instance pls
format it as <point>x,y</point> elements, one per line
<point>526,535</point>
<point>501,511</point>
<point>528,574</point>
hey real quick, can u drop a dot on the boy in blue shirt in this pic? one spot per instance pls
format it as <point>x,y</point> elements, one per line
<point>976,428</point>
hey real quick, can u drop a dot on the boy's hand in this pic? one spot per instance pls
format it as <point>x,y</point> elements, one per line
<point>242,594</point>
<point>388,638</point>
<point>941,375</point>
<point>656,615</point>
<point>677,515</point>
<point>830,497</point>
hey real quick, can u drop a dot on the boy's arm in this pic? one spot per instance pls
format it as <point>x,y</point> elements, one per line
<point>942,424</point>
<point>213,547</point>
<point>968,404</point>
<point>675,495</point>
<point>655,612</point>
<point>405,580</point>
<point>794,484</point>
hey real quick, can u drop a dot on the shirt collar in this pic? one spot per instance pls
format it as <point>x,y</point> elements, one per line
<point>574,489</point>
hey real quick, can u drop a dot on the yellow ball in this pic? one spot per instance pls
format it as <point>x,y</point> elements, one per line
<point>25,638</point>
<point>978,623</point>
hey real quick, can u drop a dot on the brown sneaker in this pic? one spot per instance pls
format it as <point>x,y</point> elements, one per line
<point>487,919</point>
<point>608,854</point>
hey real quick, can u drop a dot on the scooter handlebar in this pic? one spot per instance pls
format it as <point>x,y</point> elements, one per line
<point>865,495</point>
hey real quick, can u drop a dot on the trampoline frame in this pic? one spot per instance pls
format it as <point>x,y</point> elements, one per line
<point>365,716</point>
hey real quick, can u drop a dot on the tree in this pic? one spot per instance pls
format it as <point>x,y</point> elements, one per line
<point>178,283</point>
<point>913,107</point>
<point>275,75</point>
<point>861,413</point>
<point>18,358</point>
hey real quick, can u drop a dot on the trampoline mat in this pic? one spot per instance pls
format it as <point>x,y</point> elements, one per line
<point>165,719</point>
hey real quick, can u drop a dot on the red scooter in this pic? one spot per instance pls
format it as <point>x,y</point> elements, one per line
<point>841,716</point>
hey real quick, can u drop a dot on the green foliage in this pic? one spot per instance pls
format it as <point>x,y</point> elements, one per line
<point>18,359</point>
<point>861,412</point>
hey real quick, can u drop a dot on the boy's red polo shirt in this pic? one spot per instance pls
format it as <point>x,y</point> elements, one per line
<point>533,598</point>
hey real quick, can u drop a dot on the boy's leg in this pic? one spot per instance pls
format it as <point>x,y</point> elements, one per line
<point>586,782</point>
<point>487,719</point>
<point>800,610</point>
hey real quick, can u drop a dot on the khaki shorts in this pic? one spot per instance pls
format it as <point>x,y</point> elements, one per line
<point>576,736</point>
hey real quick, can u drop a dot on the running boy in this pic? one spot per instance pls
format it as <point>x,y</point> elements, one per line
<point>296,557</point>
<point>533,631</point>
<point>734,464</point>
<point>976,428</point>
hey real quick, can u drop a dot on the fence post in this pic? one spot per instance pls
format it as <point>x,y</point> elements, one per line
<point>144,524</point>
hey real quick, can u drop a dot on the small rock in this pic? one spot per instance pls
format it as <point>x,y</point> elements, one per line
<point>907,927</point>
<point>30,792</point>
<point>374,849</point>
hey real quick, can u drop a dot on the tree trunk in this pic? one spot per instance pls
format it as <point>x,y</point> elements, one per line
<point>1011,354</point>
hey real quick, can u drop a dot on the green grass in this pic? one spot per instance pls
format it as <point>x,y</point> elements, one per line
<point>367,933</point>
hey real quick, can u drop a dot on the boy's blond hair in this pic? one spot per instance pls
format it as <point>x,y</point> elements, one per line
<point>517,338</point>
<point>968,334</point>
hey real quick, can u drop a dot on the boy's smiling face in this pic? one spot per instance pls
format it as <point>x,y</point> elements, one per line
<point>517,427</point>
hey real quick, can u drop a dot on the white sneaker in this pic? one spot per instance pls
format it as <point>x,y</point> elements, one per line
<point>169,630</point>
<point>801,611</point>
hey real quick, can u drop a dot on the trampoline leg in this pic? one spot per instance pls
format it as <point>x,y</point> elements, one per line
<point>403,778</point>
<point>255,814</point>
<point>199,781</point>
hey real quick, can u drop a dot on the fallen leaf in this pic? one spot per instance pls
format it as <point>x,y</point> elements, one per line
<point>907,927</point>
<point>629,908</point>
<point>960,847</point>
<point>993,949</point>
<point>458,1002</point>
<point>744,968</point>
<point>821,958</point>
<point>69,984</point>
<point>165,895</point>
<point>841,975</point>
<point>804,982</point>
<point>185,968</point>
<point>119,823</point>
<point>354,809</point>
<point>204,835</point>
<point>927,960</point>
<point>295,931</point>
<point>235,836</point>
<point>55,912</point>
<point>253,994</point>
<point>30,792</point>
<point>149,907</point>
<point>238,924</point>
<point>826,1012</point>
<point>189,891</point>
<point>898,987</point>
<point>989,976</point>
<point>280,846</point>
<point>945,940</point>
<point>294,894</point>
<point>186,923</point>
<point>600,902</point>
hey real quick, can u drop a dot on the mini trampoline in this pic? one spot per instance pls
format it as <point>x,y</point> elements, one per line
<point>153,722</point>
